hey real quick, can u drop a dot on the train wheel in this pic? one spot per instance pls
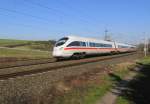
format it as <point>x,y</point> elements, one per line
<point>58,59</point>
<point>112,52</point>
<point>83,55</point>
<point>78,55</point>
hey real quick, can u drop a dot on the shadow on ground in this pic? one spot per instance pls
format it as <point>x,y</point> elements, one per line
<point>138,89</point>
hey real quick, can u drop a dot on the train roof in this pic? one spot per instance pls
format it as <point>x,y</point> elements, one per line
<point>124,44</point>
<point>96,40</point>
<point>88,39</point>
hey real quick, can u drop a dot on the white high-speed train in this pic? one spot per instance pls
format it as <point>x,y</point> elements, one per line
<point>73,46</point>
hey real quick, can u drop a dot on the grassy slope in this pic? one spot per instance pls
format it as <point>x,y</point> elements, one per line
<point>145,60</point>
<point>39,45</point>
<point>7,42</point>
<point>29,48</point>
<point>89,94</point>
<point>4,52</point>
<point>122,99</point>
<point>25,44</point>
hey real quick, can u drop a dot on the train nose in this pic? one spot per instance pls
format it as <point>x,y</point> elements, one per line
<point>57,52</point>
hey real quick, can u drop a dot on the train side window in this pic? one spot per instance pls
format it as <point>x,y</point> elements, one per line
<point>107,45</point>
<point>99,45</point>
<point>75,43</point>
<point>92,44</point>
<point>121,46</point>
<point>83,44</point>
<point>103,45</point>
<point>96,44</point>
<point>61,41</point>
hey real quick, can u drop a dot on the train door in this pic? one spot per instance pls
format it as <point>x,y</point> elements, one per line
<point>115,46</point>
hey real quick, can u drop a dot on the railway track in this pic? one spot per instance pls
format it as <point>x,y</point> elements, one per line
<point>7,73</point>
<point>15,59</point>
<point>25,62</point>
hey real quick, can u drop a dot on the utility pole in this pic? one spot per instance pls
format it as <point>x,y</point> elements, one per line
<point>145,47</point>
<point>107,37</point>
<point>106,31</point>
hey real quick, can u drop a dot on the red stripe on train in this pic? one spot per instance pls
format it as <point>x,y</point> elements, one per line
<point>114,49</point>
<point>88,48</point>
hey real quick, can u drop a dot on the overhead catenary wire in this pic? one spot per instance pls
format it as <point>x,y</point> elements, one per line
<point>61,13</point>
<point>41,18</point>
<point>43,6</point>
<point>56,11</point>
<point>24,25</point>
<point>77,10</point>
<point>16,24</point>
<point>25,14</point>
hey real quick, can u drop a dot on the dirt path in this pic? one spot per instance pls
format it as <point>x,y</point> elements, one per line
<point>111,96</point>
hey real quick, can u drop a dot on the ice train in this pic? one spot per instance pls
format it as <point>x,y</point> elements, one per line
<point>74,46</point>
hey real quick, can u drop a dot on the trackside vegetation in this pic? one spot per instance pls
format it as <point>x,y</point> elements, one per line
<point>136,94</point>
<point>86,94</point>
<point>145,61</point>
<point>91,92</point>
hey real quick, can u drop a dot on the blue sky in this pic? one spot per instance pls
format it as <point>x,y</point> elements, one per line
<point>126,20</point>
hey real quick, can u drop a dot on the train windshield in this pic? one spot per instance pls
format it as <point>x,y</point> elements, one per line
<point>61,41</point>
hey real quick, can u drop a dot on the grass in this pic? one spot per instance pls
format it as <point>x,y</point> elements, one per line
<point>39,45</point>
<point>10,42</point>
<point>26,44</point>
<point>4,52</point>
<point>124,99</point>
<point>85,95</point>
<point>97,92</point>
<point>89,94</point>
<point>124,70</point>
<point>26,48</point>
<point>145,60</point>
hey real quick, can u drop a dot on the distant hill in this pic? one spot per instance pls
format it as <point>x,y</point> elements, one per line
<point>28,44</point>
<point>9,42</point>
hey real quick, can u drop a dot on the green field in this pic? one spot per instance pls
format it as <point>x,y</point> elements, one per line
<point>9,42</point>
<point>26,48</point>
<point>26,44</point>
<point>39,45</point>
<point>4,52</point>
